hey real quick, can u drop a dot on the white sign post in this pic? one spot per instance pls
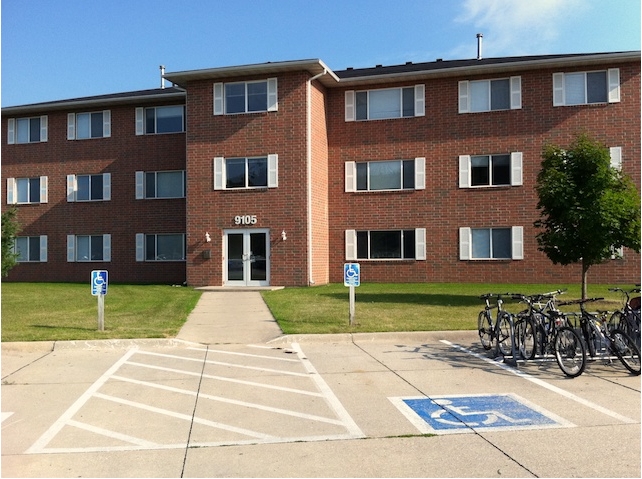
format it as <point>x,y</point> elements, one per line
<point>99,288</point>
<point>352,279</point>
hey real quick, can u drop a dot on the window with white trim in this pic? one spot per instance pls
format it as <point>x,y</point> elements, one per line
<point>490,170</point>
<point>386,244</point>
<point>491,243</point>
<point>385,175</point>
<point>89,187</point>
<point>27,130</point>
<point>81,126</point>
<point>246,173</point>
<point>87,248</point>
<point>160,247</point>
<point>385,103</point>
<point>616,157</point>
<point>490,95</point>
<point>584,88</point>
<point>31,249</point>
<point>160,184</point>
<point>160,119</point>
<point>245,97</point>
<point>22,191</point>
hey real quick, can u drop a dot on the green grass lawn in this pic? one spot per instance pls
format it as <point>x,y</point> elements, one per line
<point>55,311</point>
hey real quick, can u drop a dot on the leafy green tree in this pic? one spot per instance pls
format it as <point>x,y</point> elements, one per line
<point>587,208</point>
<point>10,228</point>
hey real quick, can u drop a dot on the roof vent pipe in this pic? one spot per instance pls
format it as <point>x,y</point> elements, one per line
<point>480,36</point>
<point>162,73</point>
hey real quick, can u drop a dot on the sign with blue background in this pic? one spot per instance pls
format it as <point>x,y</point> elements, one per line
<point>351,274</point>
<point>98,282</point>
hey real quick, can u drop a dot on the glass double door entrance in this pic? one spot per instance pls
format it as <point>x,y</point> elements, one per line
<point>247,257</point>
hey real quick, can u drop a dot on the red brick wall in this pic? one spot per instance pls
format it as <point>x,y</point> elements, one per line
<point>123,216</point>
<point>444,134</point>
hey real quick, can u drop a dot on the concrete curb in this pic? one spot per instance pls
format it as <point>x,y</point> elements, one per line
<point>98,344</point>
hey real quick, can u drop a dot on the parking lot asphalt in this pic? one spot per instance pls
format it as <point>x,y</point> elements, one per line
<point>232,396</point>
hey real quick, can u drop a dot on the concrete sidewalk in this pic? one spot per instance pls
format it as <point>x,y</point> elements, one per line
<point>224,316</point>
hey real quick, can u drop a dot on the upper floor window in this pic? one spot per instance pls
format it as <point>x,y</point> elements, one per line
<point>386,244</point>
<point>160,247</point>
<point>245,97</point>
<point>582,88</point>
<point>385,175</point>
<point>385,103</point>
<point>88,248</point>
<point>81,126</point>
<point>31,248</point>
<point>490,95</point>
<point>160,184</point>
<point>27,190</point>
<point>490,170</point>
<point>89,187</point>
<point>27,130</point>
<point>491,243</point>
<point>254,172</point>
<point>160,119</point>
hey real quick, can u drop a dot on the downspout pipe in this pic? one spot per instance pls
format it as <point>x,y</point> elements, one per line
<point>308,132</point>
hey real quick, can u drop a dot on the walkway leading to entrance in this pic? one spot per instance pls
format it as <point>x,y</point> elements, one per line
<point>230,316</point>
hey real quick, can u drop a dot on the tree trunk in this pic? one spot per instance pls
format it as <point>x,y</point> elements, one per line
<point>585,268</point>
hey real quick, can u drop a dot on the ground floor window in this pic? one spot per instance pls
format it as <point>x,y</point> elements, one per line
<point>386,244</point>
<point>160,247</point>
<point>89,248</point>
<point>491,243</point>
<point>31,248</point>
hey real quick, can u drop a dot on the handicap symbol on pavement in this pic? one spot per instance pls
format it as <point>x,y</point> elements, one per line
<point>476,412</point>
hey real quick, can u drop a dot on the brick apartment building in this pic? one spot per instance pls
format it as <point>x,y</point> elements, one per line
<point>279,173</point>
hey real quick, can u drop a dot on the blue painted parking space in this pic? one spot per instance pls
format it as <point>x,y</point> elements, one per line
<point>476,412</point>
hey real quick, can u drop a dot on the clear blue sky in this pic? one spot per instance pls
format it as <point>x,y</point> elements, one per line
<point>61,49</point>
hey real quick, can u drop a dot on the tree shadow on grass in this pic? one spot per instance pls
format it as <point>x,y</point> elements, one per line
<point>411,298</point>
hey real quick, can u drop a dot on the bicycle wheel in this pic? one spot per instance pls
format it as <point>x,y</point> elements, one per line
<point>569,352</point>
<point>485,329</point>
<point>629,323</point>
<point>526,337</point>
<point>505,333</point>
<point>626,350</point>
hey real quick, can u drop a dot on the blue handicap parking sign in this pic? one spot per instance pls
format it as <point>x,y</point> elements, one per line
<point>351,274</point>
<point>99,282</point>
<point>465,413</point>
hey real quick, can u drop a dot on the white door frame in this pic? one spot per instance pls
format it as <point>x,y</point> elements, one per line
<point>247,258</point>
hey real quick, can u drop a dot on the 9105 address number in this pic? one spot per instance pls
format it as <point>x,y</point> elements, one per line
<point>245,220</point>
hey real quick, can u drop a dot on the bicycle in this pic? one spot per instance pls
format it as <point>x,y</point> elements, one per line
<point>601,340</point>
<point>498,331</point>
<point>551,333</point>
<point>628,318</point>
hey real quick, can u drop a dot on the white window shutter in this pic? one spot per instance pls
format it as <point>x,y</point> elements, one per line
<point>518,242</point>
<point>71,126</point>
<point>616,157</point>
<point>140,247</point>
<point>273,171</point>
<point>106,123</point>
<point>351,245</point>
<point>272,95</point>
<point>516,168</point>
<point>43,248</point>
<point>106,186</point>
<point>463,97</point>
<point>420,173</point>
<point>464,243</point>
<point>11,131</point>
<point>515,93</point>
<point>71,248</point>
<point>11,191</point>
<point>107,247</point>
<point>420,244</point>
<point>43,128</point>
<point>219,173</point>
<point>218,98</point>
<point>71,188</point>
<point>350,114</point>
<point>140,121</point>
<point>44,195</point>
<point>558,89</point>
<point>140,185</point>
<point>464,171</point>
<point>420,100</point>
<point>351,176</point>
<point>614,84</point>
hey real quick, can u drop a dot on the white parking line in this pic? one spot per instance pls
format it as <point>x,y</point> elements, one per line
<point>544,384</point>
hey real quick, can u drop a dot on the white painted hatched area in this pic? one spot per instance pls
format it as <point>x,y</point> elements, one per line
<point>199,397</point>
